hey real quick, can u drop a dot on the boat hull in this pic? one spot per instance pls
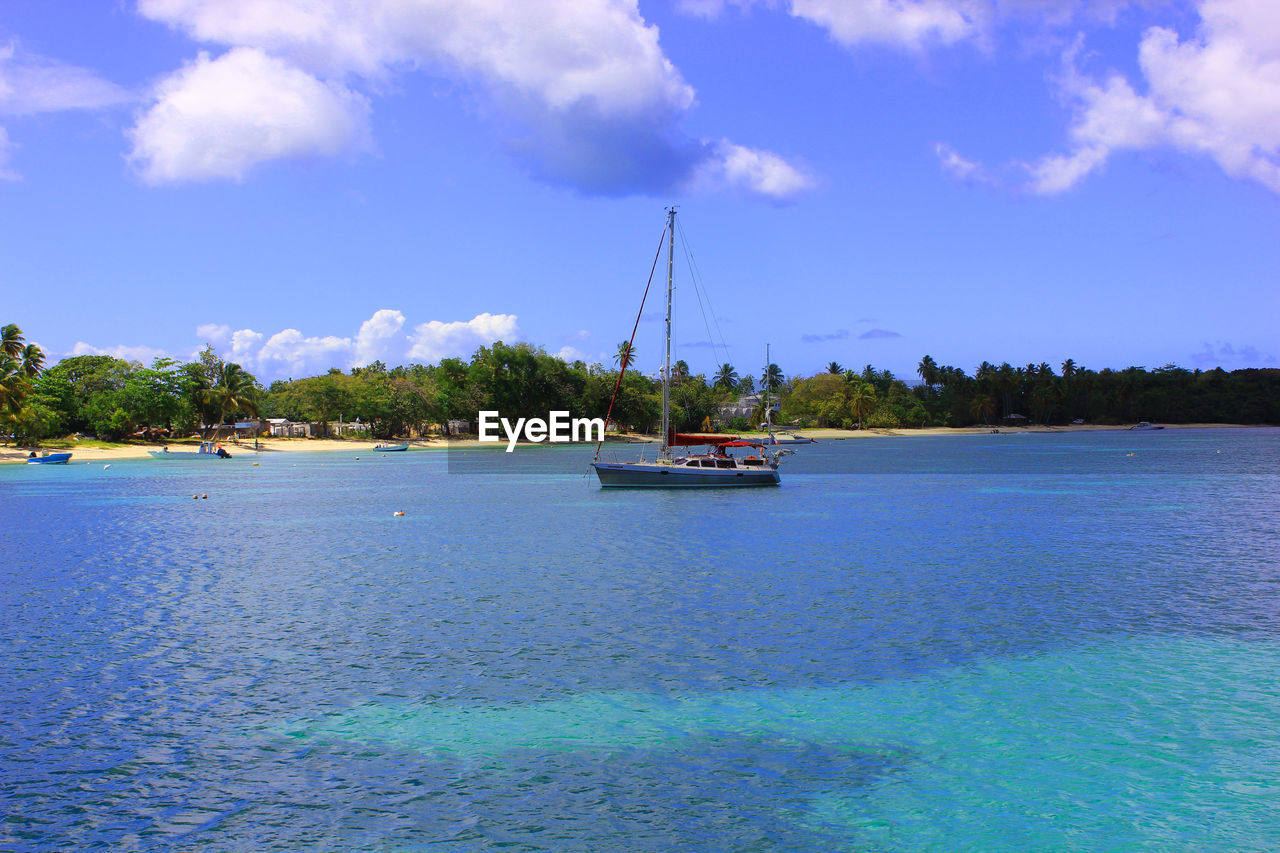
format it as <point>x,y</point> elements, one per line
<point>391,448</point>
<point>51,459</point>
<point>184,455</point>
<point>641,475</point>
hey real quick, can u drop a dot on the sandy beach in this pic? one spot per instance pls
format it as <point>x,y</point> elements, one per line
<point>268,446</point>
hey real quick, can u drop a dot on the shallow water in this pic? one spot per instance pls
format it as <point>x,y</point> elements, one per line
<point>989,642</point>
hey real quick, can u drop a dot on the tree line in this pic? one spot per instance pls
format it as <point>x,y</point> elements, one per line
<point>115,399</point>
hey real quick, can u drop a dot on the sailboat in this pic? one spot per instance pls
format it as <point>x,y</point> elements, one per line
<point>714,467</point>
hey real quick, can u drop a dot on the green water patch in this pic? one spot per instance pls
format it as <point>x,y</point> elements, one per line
<point>1160,743</point>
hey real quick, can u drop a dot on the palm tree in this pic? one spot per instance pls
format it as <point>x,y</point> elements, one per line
<point>12,388</point>
<point>726,377</point>
<point>982,407</point>
<point>20,362</point>
<point>862,399</point>
<point>772,378</point>
<point>32,361</point>
<point>679,372</point>
<point>626,355</point>
<point>232,391</point>
<point>928,370</point>
<point>834,367</point>
<point>11,341</point>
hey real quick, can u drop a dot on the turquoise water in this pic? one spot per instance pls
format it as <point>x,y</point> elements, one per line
<point>965,643</point>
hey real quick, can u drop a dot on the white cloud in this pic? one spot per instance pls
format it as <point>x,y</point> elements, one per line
<point>912,24</point>
<point>560,52</point>
<point>571,354</point>
<point>375,336</point>
<point>756,172</point>
<point>291,353</point>
<point>216,118</point>
<point>143,354</point>
<point>245,346</point>
<point>6,174</point>
<point>592,99</point>
<point>957,166</point>
<point>1217,94</point>
<point>32,84</point>
<point>919,24</point>
<point>213,333</point>
<point>435,340</point>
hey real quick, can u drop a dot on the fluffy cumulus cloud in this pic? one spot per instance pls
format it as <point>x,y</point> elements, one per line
<point>291,353</point>
<point>382,337</point>
<point>214,334</point>
<point>588,97</point>
<point>144,355</point>
<point>749,170</point>
<point>1216,94</point>
<point>376,336</point>
<point>216,118</point>
<point>435,340</point>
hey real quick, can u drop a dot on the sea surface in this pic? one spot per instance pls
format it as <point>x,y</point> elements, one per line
<point>999,642</point>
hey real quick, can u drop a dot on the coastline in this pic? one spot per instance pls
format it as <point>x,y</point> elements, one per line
<point>271,446</point>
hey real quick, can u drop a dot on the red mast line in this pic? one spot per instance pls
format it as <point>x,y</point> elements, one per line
<point>627,358</point>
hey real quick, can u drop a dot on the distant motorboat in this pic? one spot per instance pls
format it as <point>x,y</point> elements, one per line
<point>785,437</point>
<point>208,450</point>
<point>391,448</point>
<point>48,458</point>
<point>1143,425</point>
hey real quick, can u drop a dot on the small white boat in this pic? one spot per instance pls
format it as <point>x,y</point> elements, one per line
<point>208,450</point>
<point>784,436</point>
<point>1143,425</point>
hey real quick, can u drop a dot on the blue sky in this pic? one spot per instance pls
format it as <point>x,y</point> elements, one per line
<point>316,183</point>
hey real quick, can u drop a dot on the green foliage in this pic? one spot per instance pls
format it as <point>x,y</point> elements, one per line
<point>114,399</point>
<point>20,365</point>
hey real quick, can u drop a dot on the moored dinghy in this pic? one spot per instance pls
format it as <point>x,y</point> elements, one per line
<point>208,450</point>
<point>48,458</point>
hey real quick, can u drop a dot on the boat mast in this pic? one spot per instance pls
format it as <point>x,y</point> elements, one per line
<point>768,410</point>
<point>666,365</point>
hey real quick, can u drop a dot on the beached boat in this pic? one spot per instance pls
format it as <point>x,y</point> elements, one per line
<point>48,458</point>
<point>713,468</point>
<point>208,450</point>
<point>1143,425</point>
<point>391,448</point>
